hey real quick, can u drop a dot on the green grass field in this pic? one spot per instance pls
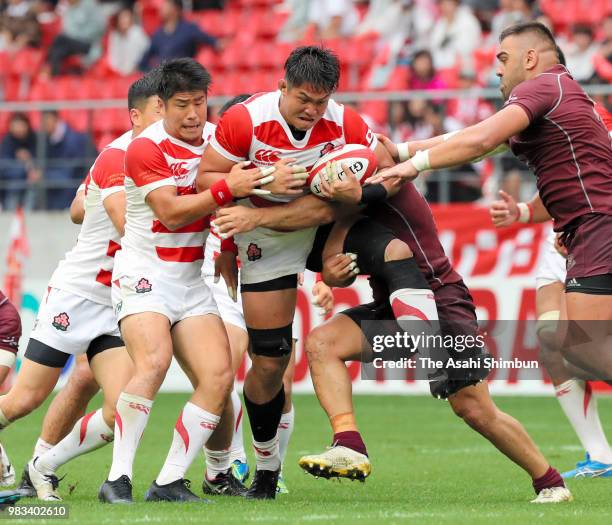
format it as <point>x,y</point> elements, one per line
<point>428,468</point>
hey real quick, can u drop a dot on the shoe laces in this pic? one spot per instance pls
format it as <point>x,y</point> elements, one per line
<point>54,480</point>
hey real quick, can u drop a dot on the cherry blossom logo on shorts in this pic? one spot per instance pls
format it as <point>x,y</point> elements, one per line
<point>143,286</point>
<point>327,148</point>
<point>253,252</point>
<point>61,321</point>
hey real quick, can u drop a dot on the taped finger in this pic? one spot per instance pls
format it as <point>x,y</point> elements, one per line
<point>266,180</point>
<point>257,191</point>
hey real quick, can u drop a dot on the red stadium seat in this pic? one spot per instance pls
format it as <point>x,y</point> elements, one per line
<point>26,62</point>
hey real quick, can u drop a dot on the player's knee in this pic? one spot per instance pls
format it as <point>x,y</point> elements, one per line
<point>26,402</point>
<point>474,413</point>
<point>270,369</point>
<point>82,378</point>
<point>397,250</point>
<point>319,344</point>
<point>154,365</point>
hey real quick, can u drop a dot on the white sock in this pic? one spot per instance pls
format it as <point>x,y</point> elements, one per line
<point>267,454</point>
<point>4,422</point>
<point>89,433</point>
<point>217,462</point>
<point>580,407</point>
<point>285,429</point>
<point>193,428</point>
<point>237,451</point>
<point>41,447</point>
<point>130,421</point>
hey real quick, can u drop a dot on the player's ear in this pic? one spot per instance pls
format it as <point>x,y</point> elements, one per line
<point>282,86</point>
<point>531,59</point>
<point>135,117</point>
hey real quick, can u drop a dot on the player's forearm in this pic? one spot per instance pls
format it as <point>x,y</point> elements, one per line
<point>463,147</point>
<point>539,212</point>
<point>186,209</point>
<point>77,208</point>
<point>302,213</point>
<point>205,180</point>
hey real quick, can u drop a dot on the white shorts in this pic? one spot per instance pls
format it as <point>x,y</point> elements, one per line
<point>138,294</point>
<point>552,266</point>
<point>267,254</point>
<point>229,311</point>
<point>69,323</point>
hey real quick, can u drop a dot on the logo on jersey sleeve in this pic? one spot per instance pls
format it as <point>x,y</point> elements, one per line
<point>61,322</point>
<point>143,286</point>
<point>253,252</point>
<point>268,156</point>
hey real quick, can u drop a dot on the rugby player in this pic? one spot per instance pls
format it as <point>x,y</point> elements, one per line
<point>551,123</point>
<point>161,302</point>
<point>571,384</point>
<point>297,123</point>
<point>408,217</point>
<point>76,316</point>
<point>10,332</point>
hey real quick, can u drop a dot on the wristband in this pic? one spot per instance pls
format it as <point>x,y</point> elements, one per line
<point>221,192</point>
<point>228,245</point>
<point>403,151</point>
<point>373,193</point>
<point>420,161</point>
<point>525,212</point>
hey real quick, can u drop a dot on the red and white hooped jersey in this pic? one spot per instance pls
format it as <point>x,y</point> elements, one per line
<point>155,159</point>
<point>86,270</point>
<point>255,130</point>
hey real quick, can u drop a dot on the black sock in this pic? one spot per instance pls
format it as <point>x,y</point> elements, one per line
<point>404,273</point>
<point>265,418</point>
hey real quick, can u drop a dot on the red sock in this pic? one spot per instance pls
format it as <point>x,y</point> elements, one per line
<point>350,439</point>
<point>552,478</point>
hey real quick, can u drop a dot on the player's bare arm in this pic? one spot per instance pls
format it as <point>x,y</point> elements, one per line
<point>77,207</point>
<point>114,205</point>
<point>506,211</point>
<point>285,177</point>
<point>470,143</point>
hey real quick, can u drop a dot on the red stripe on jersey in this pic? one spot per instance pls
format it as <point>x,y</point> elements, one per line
<point>195,227</point>
<point>104,277</point>
<point>176,151</point>
<point>184,254</point>
<point>113,248</point>
<point>273,134</point>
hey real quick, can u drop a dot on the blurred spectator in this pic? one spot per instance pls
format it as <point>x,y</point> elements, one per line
<point>294,27</point>
<point>83,25</point>
<point>127,44</point>
<point>19,27</point>
<point>175,38</point>
<point>423,74</point>
<point>580,52</point>
<point>67,158</point>
<point>333,18</point>
<point>456,34</point>
<point>403,24</point>
<point>17,167</point>
<point>466,111</point>
<point>603,59</point>
<point>399,127</point>
<point>511,12</point>
<point>200,5</point>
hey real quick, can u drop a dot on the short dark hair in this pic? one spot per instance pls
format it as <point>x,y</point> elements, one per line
<point>142,89</point>
<point>529,27</point>
<point>561,56</point>
<point>233,101</point>
<point>314,66</point>
<point>182,74</point>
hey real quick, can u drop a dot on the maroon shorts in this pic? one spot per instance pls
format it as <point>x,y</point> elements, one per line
<point>589,247</point>
<point>10,327</point>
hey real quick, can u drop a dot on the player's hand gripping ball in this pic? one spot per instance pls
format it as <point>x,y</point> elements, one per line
<point>360,160</point>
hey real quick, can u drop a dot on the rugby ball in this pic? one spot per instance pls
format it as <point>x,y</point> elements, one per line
<point>359,158</point>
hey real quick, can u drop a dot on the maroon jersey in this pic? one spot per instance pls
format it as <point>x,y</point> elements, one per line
<point>3,298</point>
<point>409,216</point>
<point>566,144</point>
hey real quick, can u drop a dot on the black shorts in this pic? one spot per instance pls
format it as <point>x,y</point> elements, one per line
<point>45,355</point>
<point>457,317</point>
